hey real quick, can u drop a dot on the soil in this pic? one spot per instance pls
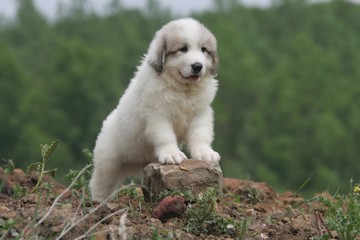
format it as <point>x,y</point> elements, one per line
<point>260,211</point>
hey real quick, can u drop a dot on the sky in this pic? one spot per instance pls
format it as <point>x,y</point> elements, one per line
<point>180,8</point>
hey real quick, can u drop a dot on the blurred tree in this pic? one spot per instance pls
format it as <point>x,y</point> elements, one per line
<point>13,86</point>
<point>288,100</point>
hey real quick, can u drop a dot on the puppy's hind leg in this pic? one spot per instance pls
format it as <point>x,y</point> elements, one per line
<point>105,178</point>
<point>108,176</point>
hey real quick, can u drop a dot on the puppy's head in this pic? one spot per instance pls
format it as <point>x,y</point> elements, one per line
<point>185,49</point>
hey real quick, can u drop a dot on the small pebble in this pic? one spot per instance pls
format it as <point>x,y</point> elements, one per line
<point>230,229</point>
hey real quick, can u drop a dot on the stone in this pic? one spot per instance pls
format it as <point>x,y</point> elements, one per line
<point>6,213</point>
<point>230,229</point>
<point>192,175</point>
<point>170,207</point>
<point>112,206</point>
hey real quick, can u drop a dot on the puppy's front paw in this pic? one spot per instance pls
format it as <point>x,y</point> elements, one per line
<point>172,157</point>
<point>205,154</point>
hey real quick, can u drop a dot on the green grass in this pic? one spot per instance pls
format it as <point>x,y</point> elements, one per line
<point>343,214</point>
<point>39,167</point>
<point>202,218</point>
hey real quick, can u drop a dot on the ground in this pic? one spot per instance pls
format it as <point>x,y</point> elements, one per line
<point>257,211</point>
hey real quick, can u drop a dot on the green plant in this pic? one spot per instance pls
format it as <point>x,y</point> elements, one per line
<point>157,236</point>
<point>27,231</point>
<point>201,217</point>
<point>88,154</point>
<point>6,227</point>
<point>243,228</point>
<point>80,182</point>
<point>304,183</point>
<point>248,195</point>
<point>19,191</point>
<point>130,190</point>
<point>83,181</point>
<point>9,165</point>
<point>39,167</point>
<point>343,214</point>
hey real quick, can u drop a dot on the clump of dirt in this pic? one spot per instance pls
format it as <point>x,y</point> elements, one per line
<point>263,213</point>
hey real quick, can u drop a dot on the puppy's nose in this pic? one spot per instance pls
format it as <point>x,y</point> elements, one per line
<point>196,67</point>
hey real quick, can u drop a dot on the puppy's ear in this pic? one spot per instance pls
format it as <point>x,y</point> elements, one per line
<point>156,54</point>
<point>215,63</point>
<point>211,45</point>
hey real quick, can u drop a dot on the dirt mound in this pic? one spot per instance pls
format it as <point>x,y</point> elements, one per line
<point>255,208</point>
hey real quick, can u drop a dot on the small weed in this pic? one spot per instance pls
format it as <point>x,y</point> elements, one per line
<point>130,190</point>
<point>9,165</point>
<point>88,154</point>
<point>343,214</point>
<point>6,227</point>
<point>249,196</point>
<point>84,179</point>
<point>19,191</point>
<point>304,183</point>
<point>201,217</point>
<point>237,198</point>
<point>80,188</point>
<point>157,236</point>
<point>243,228</point>
<point>39,167</point>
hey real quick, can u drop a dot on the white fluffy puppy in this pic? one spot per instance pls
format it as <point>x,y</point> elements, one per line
<point>167,104</point>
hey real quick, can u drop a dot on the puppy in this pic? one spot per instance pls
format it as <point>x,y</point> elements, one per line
<point>166,105</point>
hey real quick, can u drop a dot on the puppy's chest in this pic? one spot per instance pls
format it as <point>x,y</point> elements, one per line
<point>183,106</point>
<point>182,112</point>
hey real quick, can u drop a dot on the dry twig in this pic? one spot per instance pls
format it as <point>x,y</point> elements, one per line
<point>320,221</point>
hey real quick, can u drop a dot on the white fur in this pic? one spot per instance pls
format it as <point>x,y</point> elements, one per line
<point>165,105</point>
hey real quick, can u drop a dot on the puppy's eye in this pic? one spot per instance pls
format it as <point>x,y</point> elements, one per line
<point>203,49</point>
<point>183,49</point>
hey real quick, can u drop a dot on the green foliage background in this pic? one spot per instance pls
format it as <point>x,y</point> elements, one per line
<point>288,105</point>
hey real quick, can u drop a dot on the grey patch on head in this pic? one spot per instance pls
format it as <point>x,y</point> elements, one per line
<point>159,46</point>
